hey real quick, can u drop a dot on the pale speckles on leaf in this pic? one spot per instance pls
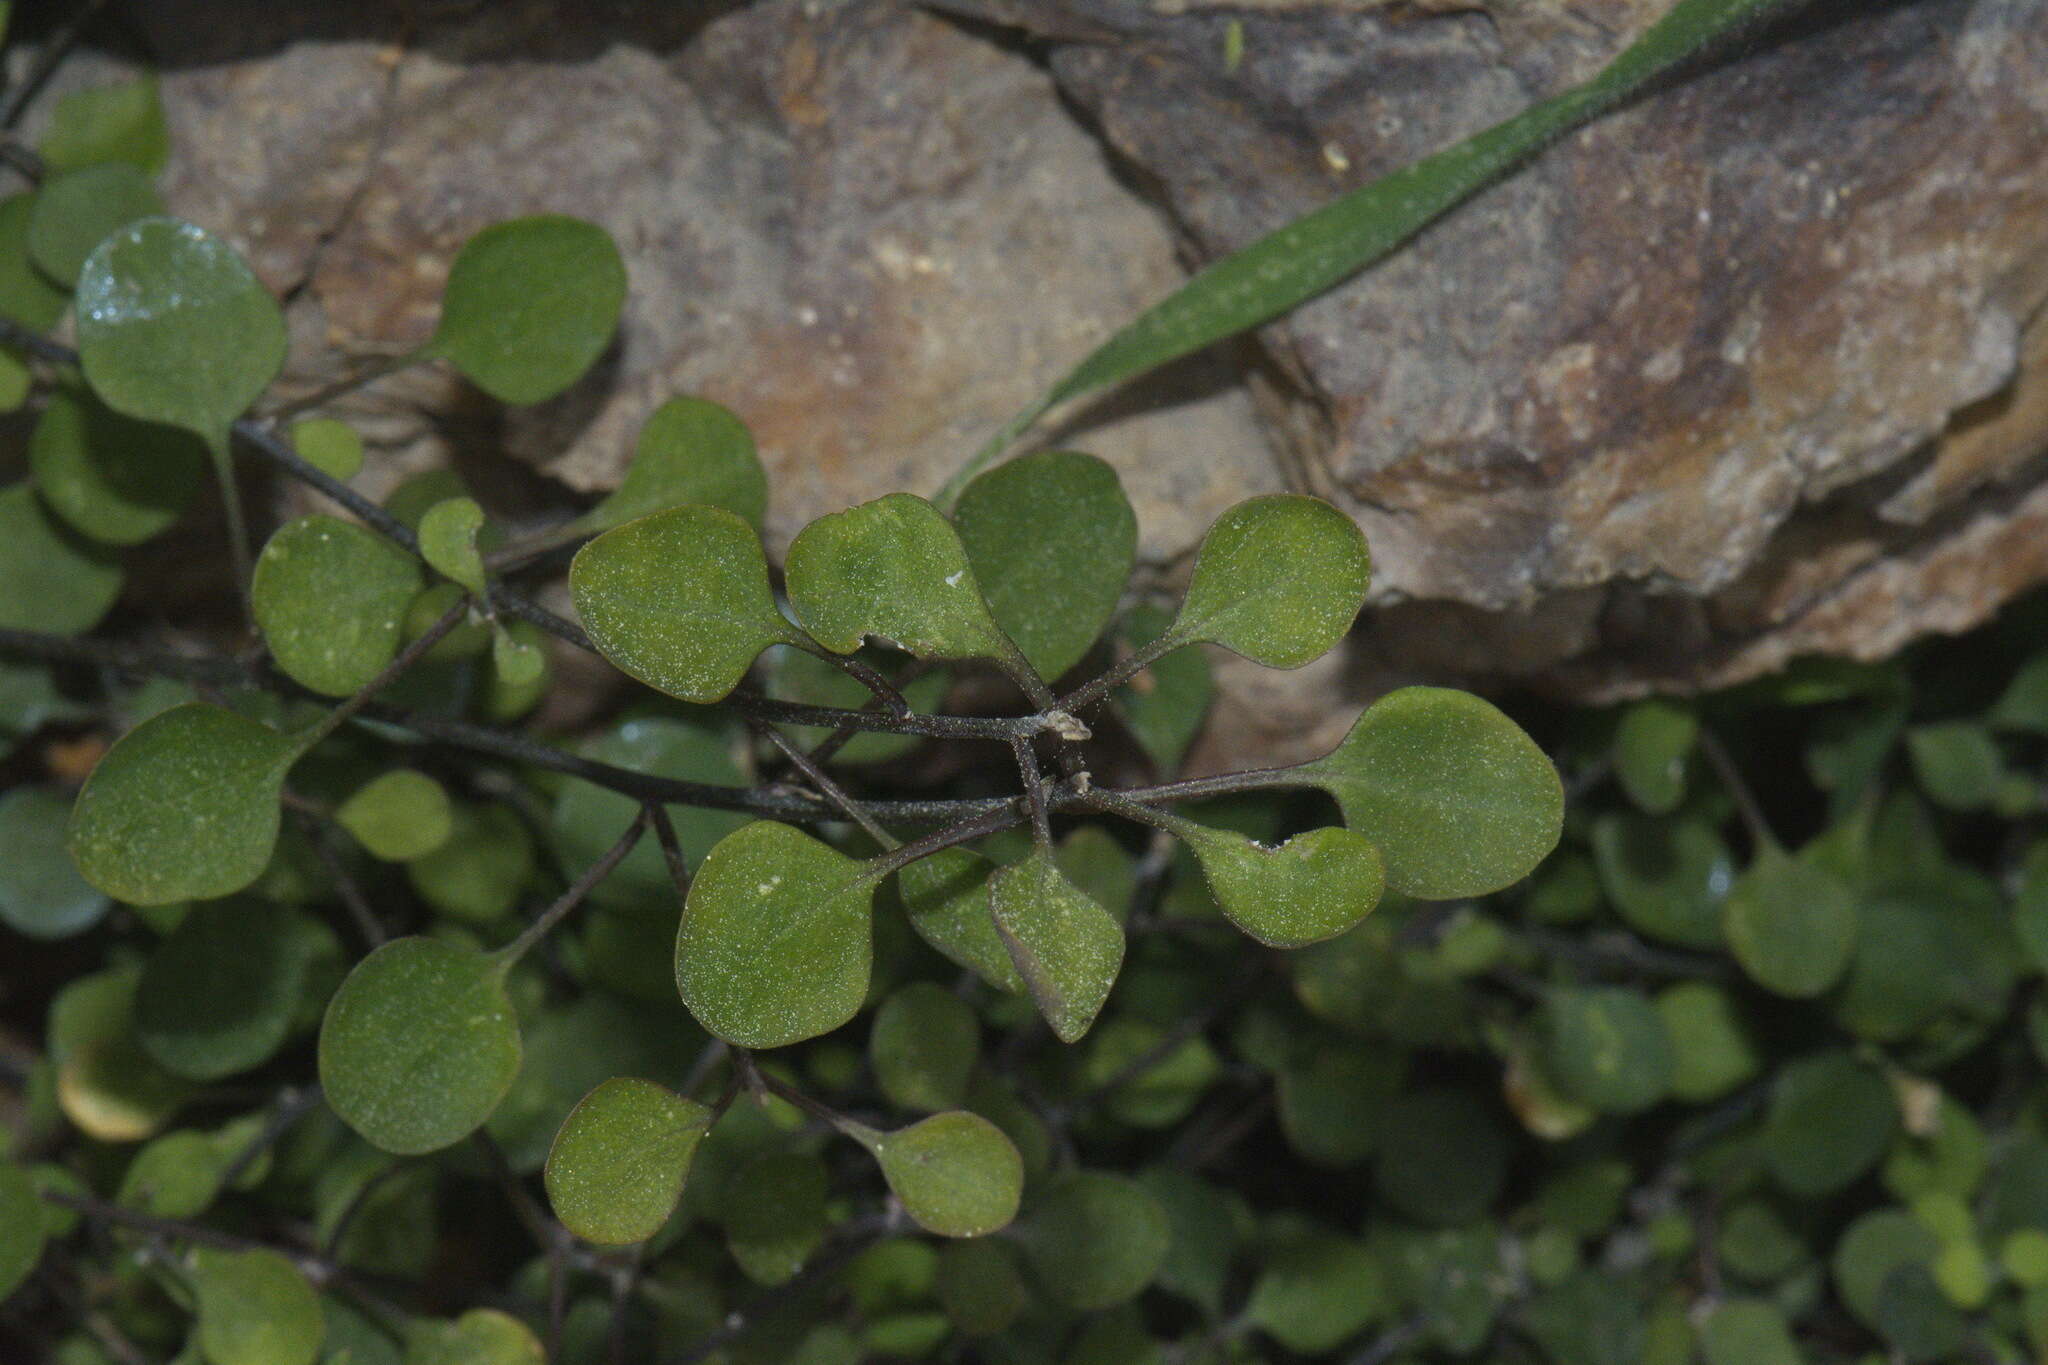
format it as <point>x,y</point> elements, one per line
<point>1066,947</point>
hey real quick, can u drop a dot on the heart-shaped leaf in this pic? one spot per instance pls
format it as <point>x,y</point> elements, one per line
<point>1459,801</point>
<point>895,568</point>
<point>1607,1048</point>
<point>482,1336</point>
<point>1791,924</point>
<point>183,807</point>
<point>955,1172</point>
<point>618,1164</point>
<point>1278,579</point>
<point>331,600</point>
<point>690,451</point>
<point>774,945</point>
<point>1052,538</point>
<point>50,579</point>
<point>1067,948</point>
<point>1313,887</point>
<point>419,1045</point>
<point>41,893</point>
<point>220,993</point>
<point>448,535</point>
<point>330,446</point>
<point>1095,1239</point>
<point>923,1047</point>
<point>255,1308</point>
<point>122,122</point>
<point>680,600</point>
<point>113,478</point>
<point>399,816</point>
<point>26,294</point>
<point>21,1227</point>
<point>530,305</point>
<point>173,327</point>
<point>77,210</point>
<point>946,898</point>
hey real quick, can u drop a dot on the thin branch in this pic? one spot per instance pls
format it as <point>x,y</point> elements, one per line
<point>1034,792</point>
<point>822,781</point>
<point>352,898</point>
<point>391,672</point>
<point>578,890</point>
<point>1745,800</point>
<point>377,368</point>
<point>293,1104</point>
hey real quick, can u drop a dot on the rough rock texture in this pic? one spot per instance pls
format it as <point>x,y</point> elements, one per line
<point>1750,369</point>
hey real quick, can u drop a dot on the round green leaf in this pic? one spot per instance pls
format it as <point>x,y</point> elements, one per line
<point>122,122</point>
<point>183,807</point>
<point>173,327</point>
<point>775,1214</point>
<point>980,1286</point>
<point>1094,1239</point>
<point>1957,763</point>
<point>448,535</point>
<point>1607,1047</point>
<point>482,1336</point>
<point>1875,1245</point>
<point>1278,579</point>
<point>255,1308</point>
<point>923,1047</point>
<point>1459,801</point>
<point>419,1045</point>
<point>330,446</point>
<point>399,816</point>
<point>530,305</point>
<point>21,1227</point>
<point>1748,1332</point>
<point>946,898</point>
<point>1711,1048</point>
<point>680,600</point>
<point>690,451</point>
<point>1164,1090</point>
<point>1667,877</point>
<point>77,210</point>
<point>895,568</point>
<point>1067,948</point>
<point>774,945</point>
<point>618,1164</point>
<point>1052,538</point>
<point>106,1083</point>
<point>1333,1100</point>
<point>956,1173</point>
<point>1653,747</point>
<point>331,598</point>
<point>480,869</point>
<point>1315,1292</point>
<point>50,579</point>
<point>112,478</point>
<point>1443,1156</point>
<point>220,993</point>
<point>41,893</point>
<point>516,662</point>
<point>1314,886</point>
<point>26,294</point>
<point>1791,924</point>
<point>1831,1117</point>
<point>1926,951</point>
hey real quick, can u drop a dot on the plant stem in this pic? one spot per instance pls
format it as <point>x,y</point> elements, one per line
<point>1746,805</point>
<point>573,897</point>
<point>376,369</point>
<point>826,787</point>
<point>1034,792</point>
<point>391,672</point>
<point>1125,669</point>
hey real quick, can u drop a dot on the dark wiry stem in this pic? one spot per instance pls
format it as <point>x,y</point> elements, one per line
<point>825,786</point>
<point>573,897</point>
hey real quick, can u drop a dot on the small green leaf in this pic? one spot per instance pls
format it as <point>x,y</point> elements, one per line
<point>419,1045</point>
<point>1652,749</point>
<point>1748,1332</point>
<point>1164,706</point>
<point>480,869</point>
<point>220,993</point>
<point>1957,763</point>
<point>618,1164</point>
<point>330,446</point>
<point>482,1336</point>
<point>980,1286</point>
<point>1052,538</point>
<point>1443,1156</point>
<point>109,123</point>
<point>1162,1091</point>
<point>516,662</point>
<point>1314,886</point>
<point>173,327</point>
<point>114,479</point>
<point>1791,924</point>
<point>1317,1291</point>
<point>331,599</point>
<point>946,898</point>
<point>448,535</point>
<point>1874,1246</point>
<point>41,893</point>
<point>399,816</point>
<point>775,1214</point>
<point>530,305</point>
<point>50,579</point>
<point>21,1227</point>
<point>1831,1117</point>
<point>1094,1239</point>
<point>1711,1047</point>
<point>1459,801</point>
<point>1332,1102</point>
<point>106,1083</point>
<point>1278,579</point>
<point>923,1047</point>
<point>1067,948</point>
<point>77,210</point>
<point>26,294</point>
<point>255,1308</point>
<point>522,674</point>
<point>183,807</point>
<point>1607,1047</point>
<point>16,380</point>
<point>1668,877</point>
<point>588,818</point>
<point>956,1173</point>
<point>690,451</point>
<point>680,600</point>
<point>774,945</point>
<point>895,568</point>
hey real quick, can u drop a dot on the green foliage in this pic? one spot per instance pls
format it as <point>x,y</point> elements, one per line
<point>530,305</point>
<point>255,1308</point>
<point>50,579</point>
<point>956,1173</point>
<point>398,816</point>
<point>618,1164</point>
<point>75,211</point>
<point>691,451</point>
<point>448,535</point>
<point>113,479</point>
<point>1065,946</point>
<point>330,598</point>
<point>21,1227</point>
<point>1314,886</point>
<point>225,988</point>
<point>111,123</point>
<point>41,893</point>
<point>1278,579</point>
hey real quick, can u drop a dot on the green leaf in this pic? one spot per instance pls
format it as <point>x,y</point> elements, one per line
<point>109,123</point>
<point>480,869</point>
<point>26,294</point>
<point>680,600</point>
<point>419,1045</point>
<point>895,568</point>
<point>801,676</point>
<point>1831,1117</point>
<point>775,1214</point>
<point>775,945</point>
<point>1317,1291</point>
<point>1332,1101</point>
<point>1094,1239</point>
<point>183,807</point>
<point>255,1308</point>
<point>956,1173</point>
<point>41,893</point>
<point>923,1047</point>
<point>1443,1156</point>
<point>16,381</point>
<point>690,451</point>
<point>521,672</point>
<point>331,600</point>
<point>77,210</point>
<point>112,478</point>
<point>1925,950</point>
<point>1957,763</point>
<point>946,898</point>
<point>618,1164</point>
<point>21,1227</point>
<point>1711,1046</point>
<point>399,816</point>
<point>330,446</point>
<point>173,327</point>
<point>530,306</point>
<point>1874,1246</point>
<point>1067,948</point>
<point>106,1083</point>
<point>1668,877</point>
<point>1278,579</point>
<point>470,637</point>
<point>1314,886</point>
<point>980,1286</point>
<point>1459,801</point>
<point>1164,706</point>
<point>1607,1048</point>
<point>1653,747</point>
<point>1052,539</point>
<point>220,993</point>
<point>1791,924</point>
<point>1748,1332</point>
<point>482,1336</point>
<point>448,535</point>
<point>588,818</point>
<point>50,579</point>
